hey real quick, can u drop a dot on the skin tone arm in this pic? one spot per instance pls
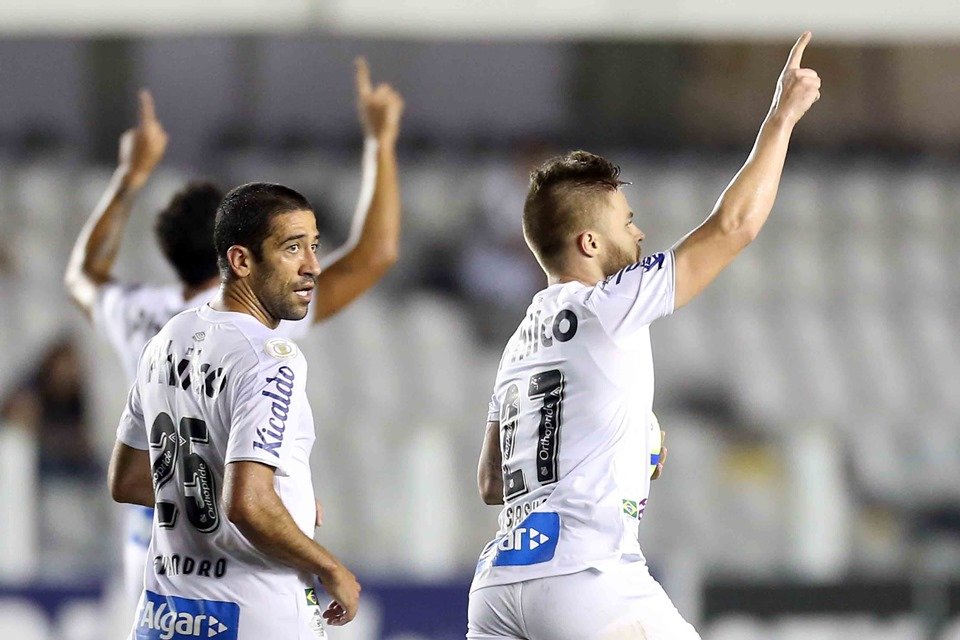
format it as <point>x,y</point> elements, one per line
<point>250,502</point>
<point>129,476</point>
<point>746,203</point>
<point>489,471</point>
<point>95,250</point>
<point>374,242</point>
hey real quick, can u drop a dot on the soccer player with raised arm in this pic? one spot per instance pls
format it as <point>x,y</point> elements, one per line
<point>216,435</point>
<point>129,314</point>
<point>569,416</point>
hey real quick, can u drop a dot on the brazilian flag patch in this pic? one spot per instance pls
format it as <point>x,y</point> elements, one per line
<point>311,596</point>
<point>631,508</point>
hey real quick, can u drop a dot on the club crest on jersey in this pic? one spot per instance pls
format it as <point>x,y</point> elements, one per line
<point>173,618</point>
<point>280,348</point>
<point>280,391</point>
<point>533,541</point>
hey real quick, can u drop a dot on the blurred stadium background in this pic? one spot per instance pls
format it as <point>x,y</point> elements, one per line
<point>810,396</point>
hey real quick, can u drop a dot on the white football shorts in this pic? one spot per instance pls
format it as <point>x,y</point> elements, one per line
<point>621,603</point>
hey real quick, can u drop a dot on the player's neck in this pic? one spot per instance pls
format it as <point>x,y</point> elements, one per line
<point>574,273</point>
<point>191,290</point>
<point>237,296</point>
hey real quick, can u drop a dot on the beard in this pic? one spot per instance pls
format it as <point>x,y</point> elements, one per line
<point>620,259</point>
<point>279,299</point>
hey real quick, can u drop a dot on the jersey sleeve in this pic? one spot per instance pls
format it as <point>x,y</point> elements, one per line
<point>132,431</point>
<point>110,309</point>
<point>493,409</point>
<point>268,399</point>
<point>635,296</point>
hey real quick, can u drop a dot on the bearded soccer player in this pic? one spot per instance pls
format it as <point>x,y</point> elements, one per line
<point>217,434</point>
<point>129,314</point>
<point>572,402</point>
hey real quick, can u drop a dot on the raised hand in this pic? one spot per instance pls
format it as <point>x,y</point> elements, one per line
<point>380,107</point>
<point>345,591</point>
<point>142,147</point>
<point>797,88</point>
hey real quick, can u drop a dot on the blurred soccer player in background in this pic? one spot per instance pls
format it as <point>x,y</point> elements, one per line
<point>217,433</point>
<point>572,402</point>
<point>129,314</point>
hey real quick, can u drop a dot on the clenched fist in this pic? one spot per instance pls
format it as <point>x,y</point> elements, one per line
<point>797,88</point>
<point>380,107</point>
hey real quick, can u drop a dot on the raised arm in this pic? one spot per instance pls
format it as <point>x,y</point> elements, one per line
<point>95,250</point>
<point>374,242</point>
<point>251,503</point>
<point>743,207</point>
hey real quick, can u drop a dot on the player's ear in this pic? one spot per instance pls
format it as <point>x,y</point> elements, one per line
<point>588,243</point>
<point>239,258</point>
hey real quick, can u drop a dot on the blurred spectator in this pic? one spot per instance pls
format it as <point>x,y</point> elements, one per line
<point>51,402</point>
<point>497,273</point>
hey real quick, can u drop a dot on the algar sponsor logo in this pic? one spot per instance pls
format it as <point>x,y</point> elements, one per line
<point>175,618</point>
<point>280,391</point>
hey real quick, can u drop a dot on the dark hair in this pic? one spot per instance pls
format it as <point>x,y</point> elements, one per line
<point>557,205</point>
<point>245,215</point>
<point>185,232</point>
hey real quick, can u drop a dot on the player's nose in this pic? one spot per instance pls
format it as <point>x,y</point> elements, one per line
<point>311,266</point>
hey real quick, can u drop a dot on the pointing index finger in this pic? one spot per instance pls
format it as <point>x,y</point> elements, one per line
<point>147,109</point>
<point>363,76</point>
<point>793,60</point>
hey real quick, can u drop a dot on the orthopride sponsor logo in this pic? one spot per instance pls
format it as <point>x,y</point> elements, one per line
<point>174,618</point>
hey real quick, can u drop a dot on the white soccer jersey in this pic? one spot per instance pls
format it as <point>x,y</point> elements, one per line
<point>573,396</point>
<point>214,387</point>
<point>130,314</point>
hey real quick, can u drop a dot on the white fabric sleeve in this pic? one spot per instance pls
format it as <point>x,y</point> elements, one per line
<point>493,410</point>
<point>635,296</point>
<point>110,310</point>
<point>132,431</point>
<point>268,399</point>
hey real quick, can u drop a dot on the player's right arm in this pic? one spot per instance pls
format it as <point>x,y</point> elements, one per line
<point>129,475</point>
<point>251,503</point>
<point>96,248</point>
<point>745,204</point>
<point>489,473</point>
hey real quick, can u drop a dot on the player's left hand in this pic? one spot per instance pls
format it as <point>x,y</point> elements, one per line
<point>797,87</point>
<point>663,457</point>
<point>142,147</point>
<point>319,521</point>
<point>380,107</point>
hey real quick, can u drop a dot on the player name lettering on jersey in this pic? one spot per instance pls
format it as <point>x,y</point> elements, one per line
<point>186,372</point>
<point>271,438</point>
<point>177,565</point>
<point>536,332</point>
<point>512,515</point>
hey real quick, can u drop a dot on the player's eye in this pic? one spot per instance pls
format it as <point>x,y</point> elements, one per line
<point>293,248</point>
<point>314,247</point>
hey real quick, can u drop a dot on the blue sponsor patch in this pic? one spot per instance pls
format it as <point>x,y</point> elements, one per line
<point>174,618</point>
<point>531,542</point>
